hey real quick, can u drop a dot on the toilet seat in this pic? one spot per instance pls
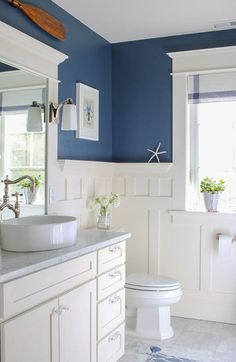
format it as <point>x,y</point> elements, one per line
<point>151,282</point>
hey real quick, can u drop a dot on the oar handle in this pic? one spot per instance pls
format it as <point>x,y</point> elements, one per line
<point>15,3</point>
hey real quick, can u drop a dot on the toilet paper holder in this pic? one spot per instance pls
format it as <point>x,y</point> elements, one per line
<point>233,237</point>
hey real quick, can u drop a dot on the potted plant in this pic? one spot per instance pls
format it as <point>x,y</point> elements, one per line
<point>103,204</point>
<point>211,190</point>
<point>25,187</point>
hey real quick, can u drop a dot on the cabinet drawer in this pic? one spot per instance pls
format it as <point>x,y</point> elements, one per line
<point>26,292</point>
<point>111,257</point>
<point>111,313</point>
<point>111,281</point>
<point>112,347</point>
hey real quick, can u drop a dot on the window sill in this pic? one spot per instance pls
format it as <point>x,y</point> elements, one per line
<point>202,217</point>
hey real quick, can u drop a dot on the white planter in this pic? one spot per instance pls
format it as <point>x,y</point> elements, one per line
<point>30,196</point>
<point>211,201</point>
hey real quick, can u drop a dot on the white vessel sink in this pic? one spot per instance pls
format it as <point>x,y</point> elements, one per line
<point>38,233</point>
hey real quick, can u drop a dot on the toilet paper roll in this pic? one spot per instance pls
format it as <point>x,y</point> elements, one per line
<point>225,244</point>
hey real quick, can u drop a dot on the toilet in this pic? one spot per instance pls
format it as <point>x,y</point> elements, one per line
<point>149,297</point>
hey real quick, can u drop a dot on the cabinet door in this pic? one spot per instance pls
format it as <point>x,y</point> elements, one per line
<point>78,324</point>
<point>32,336</point>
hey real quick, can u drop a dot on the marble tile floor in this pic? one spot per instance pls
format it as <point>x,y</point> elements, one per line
<point>194,340</point>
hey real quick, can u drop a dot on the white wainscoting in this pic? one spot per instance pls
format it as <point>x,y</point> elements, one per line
<point>178,244</point>
<point>174,243</point>
<point>73,183</point>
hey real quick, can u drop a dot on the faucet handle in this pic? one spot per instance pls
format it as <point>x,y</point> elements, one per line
<point>17,204</point>
<point>17,195</point>
<point>5,180</point>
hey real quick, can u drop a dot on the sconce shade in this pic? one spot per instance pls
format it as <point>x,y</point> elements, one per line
<point>34,118</point>
<point>69,116</point>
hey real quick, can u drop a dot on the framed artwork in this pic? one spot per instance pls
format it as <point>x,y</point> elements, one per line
<point>87,102</point>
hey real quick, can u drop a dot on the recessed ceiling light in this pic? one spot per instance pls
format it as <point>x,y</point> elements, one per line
<point>225,24</point>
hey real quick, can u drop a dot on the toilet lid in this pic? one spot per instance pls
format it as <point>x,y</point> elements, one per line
<point>151,281</point>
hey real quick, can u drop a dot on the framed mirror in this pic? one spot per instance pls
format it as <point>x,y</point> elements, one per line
<point>36,65</point>
<point>23,129</point>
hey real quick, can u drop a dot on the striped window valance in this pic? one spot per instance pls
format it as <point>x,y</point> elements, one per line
<point>215,87</point>
<point>20,100</point>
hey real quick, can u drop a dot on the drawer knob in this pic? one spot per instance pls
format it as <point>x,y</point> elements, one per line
<point>115,299</point>
<point>114,249</point>
<point>61,309</point>
<point>64,309</point>
<point>115,274</point>
<point>56,311</point>
<point>114,337</point>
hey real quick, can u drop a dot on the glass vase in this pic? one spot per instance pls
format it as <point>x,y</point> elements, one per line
<point>103,220</point>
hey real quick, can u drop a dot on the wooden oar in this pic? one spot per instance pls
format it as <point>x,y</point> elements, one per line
<point>41,18</point>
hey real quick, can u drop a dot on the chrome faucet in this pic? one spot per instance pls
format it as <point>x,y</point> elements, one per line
<point>6,198</point>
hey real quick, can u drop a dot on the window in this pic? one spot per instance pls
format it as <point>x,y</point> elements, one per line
<point>212,120</point>
<point>22,152</point>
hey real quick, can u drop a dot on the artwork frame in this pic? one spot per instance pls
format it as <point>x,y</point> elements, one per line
<point>87,103</point>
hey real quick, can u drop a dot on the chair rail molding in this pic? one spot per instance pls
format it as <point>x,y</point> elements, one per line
<point>143,168</point>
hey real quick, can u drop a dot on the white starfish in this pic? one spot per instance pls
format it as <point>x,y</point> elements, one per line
<point>156,153</point>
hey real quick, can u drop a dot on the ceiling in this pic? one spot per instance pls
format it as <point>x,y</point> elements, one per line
<point>124,20</point>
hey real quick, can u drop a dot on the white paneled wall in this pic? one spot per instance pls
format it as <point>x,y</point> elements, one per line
<point>177,243</point>
<point>174,243</point>
<point>74,183</point>
<point>146,191</point>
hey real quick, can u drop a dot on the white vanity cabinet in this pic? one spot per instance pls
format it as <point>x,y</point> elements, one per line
<point>56,331</point>
<point>71,312</point>
<point>77,324</point>
<point>32,336</point>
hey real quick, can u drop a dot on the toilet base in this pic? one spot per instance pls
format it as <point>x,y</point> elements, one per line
<point>153,323</point>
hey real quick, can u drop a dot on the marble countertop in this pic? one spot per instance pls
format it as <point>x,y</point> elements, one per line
<point>14,265</point>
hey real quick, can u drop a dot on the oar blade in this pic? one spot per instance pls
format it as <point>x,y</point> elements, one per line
<point>41,18</point>
<point>45,21</point>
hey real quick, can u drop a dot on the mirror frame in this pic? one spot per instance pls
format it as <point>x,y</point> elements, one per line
<point>26,53</point>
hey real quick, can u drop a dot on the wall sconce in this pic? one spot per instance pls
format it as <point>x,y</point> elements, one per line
<point>69,115</point>
<point>34,118</point>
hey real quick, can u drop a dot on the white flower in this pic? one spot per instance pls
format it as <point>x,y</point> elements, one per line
<point>92,204</point>
<point>116,202</point>
<point>104,200</point>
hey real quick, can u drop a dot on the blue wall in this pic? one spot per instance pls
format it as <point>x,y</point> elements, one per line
<point>6,67</point>
<point>142,100</point>
<point>89,62</point>
<point>133,79</point>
